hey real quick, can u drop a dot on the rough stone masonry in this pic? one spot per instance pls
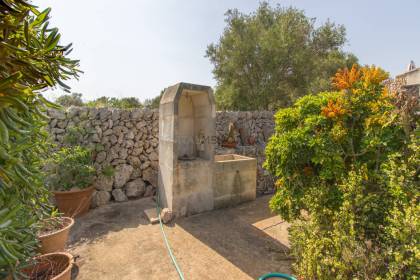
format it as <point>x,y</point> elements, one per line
<point>125,145</point>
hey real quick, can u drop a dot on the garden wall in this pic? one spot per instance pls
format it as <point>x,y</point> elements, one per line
<point>127,141</point>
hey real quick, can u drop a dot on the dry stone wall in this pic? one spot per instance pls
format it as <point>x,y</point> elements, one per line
<point>125,145</point>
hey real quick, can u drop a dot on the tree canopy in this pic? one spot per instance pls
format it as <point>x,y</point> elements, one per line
<point>75,99</point>
<point>267,59</point>
<point>67,100</point>
<point>153,103</point>
<point>124,102</point>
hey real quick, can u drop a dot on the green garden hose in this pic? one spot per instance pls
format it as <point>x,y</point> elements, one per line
<point>178,269</point>
<point>276,275</point>
<point>168,247</point>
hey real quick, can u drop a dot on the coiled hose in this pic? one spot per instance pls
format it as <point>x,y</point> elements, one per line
<point>276,275</point>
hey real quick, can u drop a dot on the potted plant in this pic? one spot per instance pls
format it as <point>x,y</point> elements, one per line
<point>53,266</point>
<point>70,175</point>
<point>53,234</point>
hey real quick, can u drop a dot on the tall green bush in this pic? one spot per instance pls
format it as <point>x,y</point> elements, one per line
<point>31,60</point>
<point>348,181</point>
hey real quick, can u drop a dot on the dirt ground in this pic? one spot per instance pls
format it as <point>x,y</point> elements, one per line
<point>117,242</point>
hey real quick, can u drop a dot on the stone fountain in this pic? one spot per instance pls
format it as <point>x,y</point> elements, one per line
<point>191,178</point>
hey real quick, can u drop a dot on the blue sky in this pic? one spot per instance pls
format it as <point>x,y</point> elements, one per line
<point>137,48</point>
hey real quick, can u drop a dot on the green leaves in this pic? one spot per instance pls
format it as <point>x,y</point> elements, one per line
<point>31,60</point>
<point>124,102</point>
<point>17,237</point>
<point>52,40</point>
<point>269,58</point>
<point>7,82</point>
<point>41,17</point>
<point>342,159</point>
<point>4,134</point>
<point>71,167</point>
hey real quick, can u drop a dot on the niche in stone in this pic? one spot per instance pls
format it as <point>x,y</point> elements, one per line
<point>194,113</point>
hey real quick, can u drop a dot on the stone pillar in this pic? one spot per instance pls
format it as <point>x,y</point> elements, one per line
<point>187,137</point>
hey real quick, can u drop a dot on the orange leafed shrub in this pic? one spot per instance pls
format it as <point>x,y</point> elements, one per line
<point>333,109</point>
<point>373,75</point>
<point>369,75</point>
<point>345,78</point>
<point>347,168</point>
<point>356,80</point>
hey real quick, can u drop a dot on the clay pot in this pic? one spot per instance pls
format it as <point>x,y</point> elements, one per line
<point>53,266</point>
<point>251,140</point>
<point>55,240</point>
<point>243,133</point>
<point>74,203</point>
<point>229,145</point>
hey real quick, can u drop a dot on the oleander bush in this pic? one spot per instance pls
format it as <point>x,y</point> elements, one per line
<point>32,59</point>
<point>348,180</point>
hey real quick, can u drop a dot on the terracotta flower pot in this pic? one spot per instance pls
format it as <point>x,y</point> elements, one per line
<point>74,203</point>
<point>53,266</point>
<point>229,145</point>
<point>54,240</point>
<point>251,140</point>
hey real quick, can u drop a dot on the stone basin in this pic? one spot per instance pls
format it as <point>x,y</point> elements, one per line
<point>234,180</point>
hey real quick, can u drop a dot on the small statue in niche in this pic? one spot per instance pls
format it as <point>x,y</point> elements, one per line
<point>230,141</point>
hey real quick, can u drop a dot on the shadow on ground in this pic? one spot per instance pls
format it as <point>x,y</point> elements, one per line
<point>239,235</point>
<point>109,218</point>
<point>117,242</point>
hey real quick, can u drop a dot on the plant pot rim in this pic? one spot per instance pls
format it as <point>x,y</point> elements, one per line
<point>229,145</point>
<point>60,230</point>
<point>74,191</point>
<point>68,255</point>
